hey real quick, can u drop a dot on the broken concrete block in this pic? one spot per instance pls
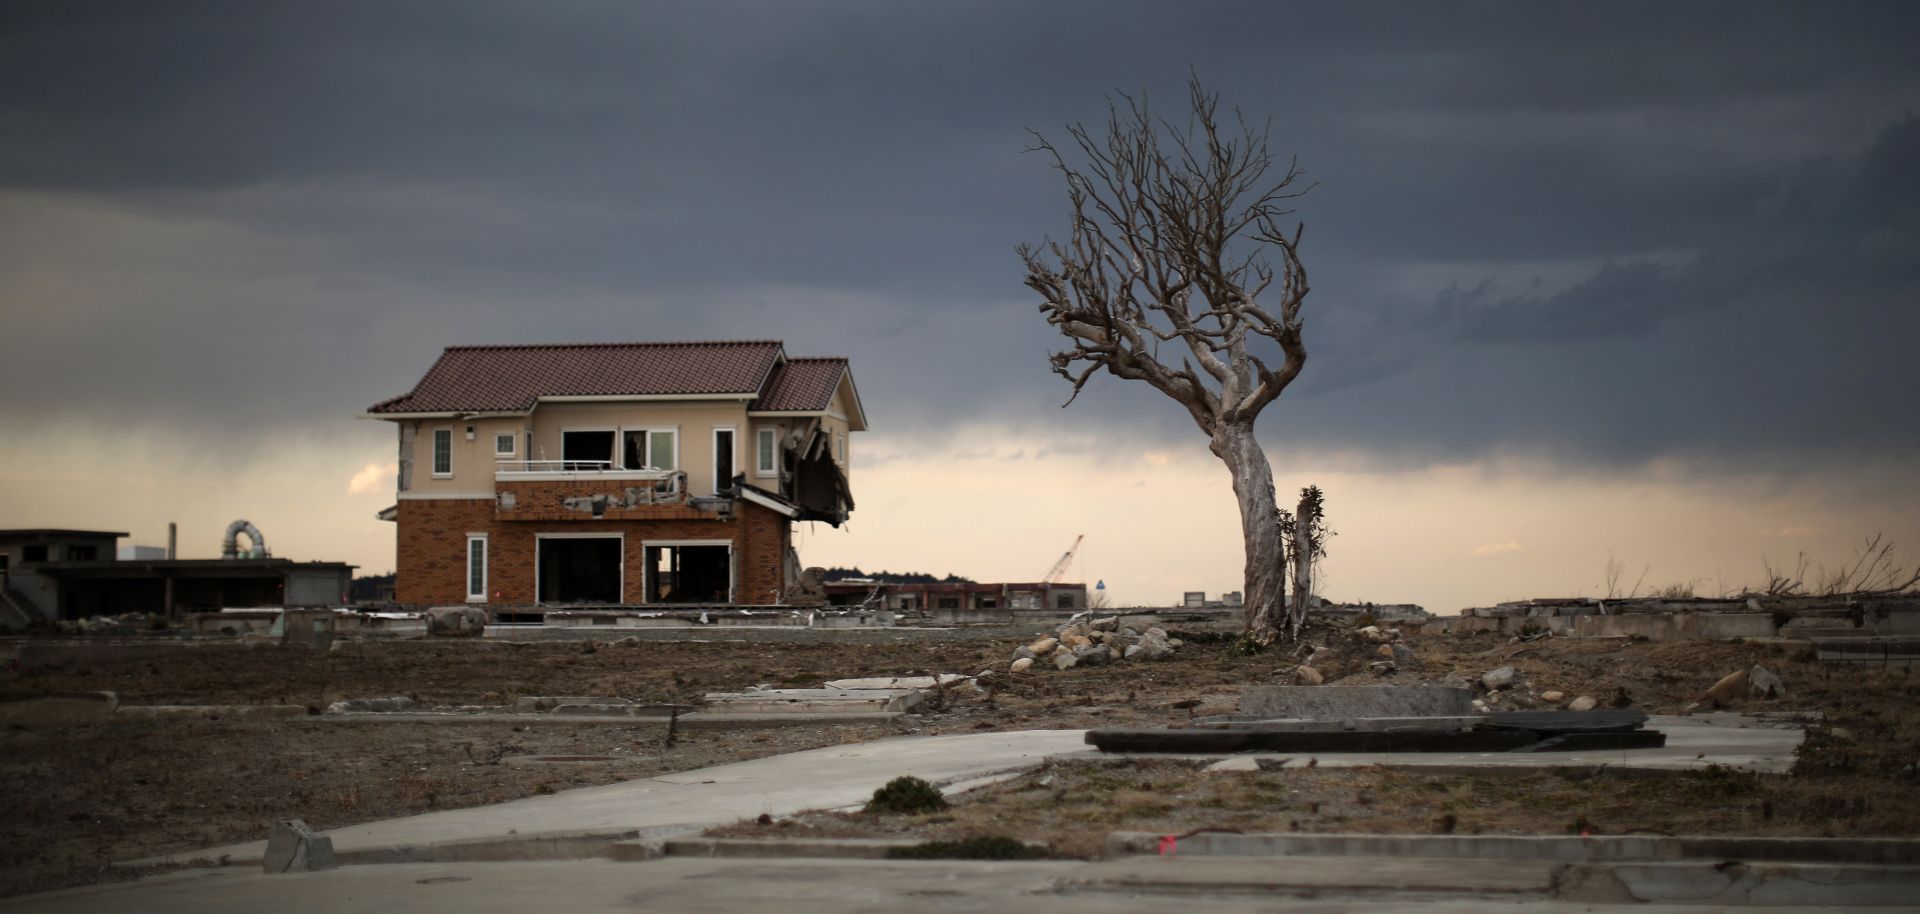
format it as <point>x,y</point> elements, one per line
<point>1403,656</point>
<point>1583,703</point>
<point>1762,683</point>
<point>1731,686</point>
<point>1043,647</point>
<point>354,705</point>
<point>1021,665</point>
<point>292,847</point>
<point>1065,661</point>
<point>1024,653</point>
<point>1336,702</point>
<point>456,621</point>
<point>1502,678</point>
<point>1109,624</point>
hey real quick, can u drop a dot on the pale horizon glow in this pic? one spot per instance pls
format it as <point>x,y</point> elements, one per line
<point>1159,518</point>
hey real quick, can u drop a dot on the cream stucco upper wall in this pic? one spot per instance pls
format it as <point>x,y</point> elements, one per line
<point>537,437</point>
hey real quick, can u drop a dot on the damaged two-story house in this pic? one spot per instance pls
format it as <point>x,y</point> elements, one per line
<point>616,473</point>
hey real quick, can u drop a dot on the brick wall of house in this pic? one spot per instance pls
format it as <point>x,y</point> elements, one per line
<point>432,543</point>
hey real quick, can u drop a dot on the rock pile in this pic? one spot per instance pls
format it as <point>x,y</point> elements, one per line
<point>1094,642</point>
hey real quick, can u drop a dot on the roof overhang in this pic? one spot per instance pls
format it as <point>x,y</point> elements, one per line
<point>769,501</point>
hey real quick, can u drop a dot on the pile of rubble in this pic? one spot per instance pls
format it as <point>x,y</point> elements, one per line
<point>1094,642</point>
<point>1383,645</point>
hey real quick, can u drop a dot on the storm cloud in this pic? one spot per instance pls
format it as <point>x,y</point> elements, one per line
<point>1601,235</point>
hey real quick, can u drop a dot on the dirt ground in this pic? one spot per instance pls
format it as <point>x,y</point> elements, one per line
<point>72,799</point>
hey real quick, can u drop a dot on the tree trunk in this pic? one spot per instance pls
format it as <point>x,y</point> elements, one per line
<point>1266,576</point>
<point>1303,549</point>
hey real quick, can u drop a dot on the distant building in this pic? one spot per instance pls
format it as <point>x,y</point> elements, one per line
<point>141,553</point>
<point>953,600</point>
<point>48,575</point>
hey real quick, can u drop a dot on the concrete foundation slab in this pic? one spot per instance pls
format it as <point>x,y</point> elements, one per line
<point>1345,702</point>
<point>57,709</point>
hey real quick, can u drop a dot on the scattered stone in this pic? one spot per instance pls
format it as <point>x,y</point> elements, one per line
<point>1109,624</point>
<point>1479,707</point>
<point>292,847</point>
<point>1175,642</point>
<point>355,705</point>
<point>1025,653</point>
<point>1502,678</point>
<point>1382,668</point>
<point>1093,656</point>
<point>1076,641</point>
<point>1065,661</point>
<point>1583,703</point>
<point>1043,647</point>
<point>1150,647</point>
<point>1307,676</point>
<point>1021,665</point>
<point>1731,686</point>
<point>1385,650</point>
<point>1762,683</point>
<point>1553,697</point>
<point>1403,656</point>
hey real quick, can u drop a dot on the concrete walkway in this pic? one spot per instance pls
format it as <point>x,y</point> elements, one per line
<point>1319,886</point>
<point>816,779</point>
<point>577,823</point>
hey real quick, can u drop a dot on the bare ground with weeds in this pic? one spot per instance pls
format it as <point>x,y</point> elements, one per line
<point>71,799</point>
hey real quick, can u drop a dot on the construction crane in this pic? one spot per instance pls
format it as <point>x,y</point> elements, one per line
<point>1060,568</point>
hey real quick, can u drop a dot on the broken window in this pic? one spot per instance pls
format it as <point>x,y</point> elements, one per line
<point>948,603</point>
<point>989,603</point>
<point>579,569</point>
<point>764,466</point>
<point>651,449</point>
<point>33,554</point>
<point>722,459</point>
<point>1063,601</point>
<point>587,449</point>
<point>82,553</point>
<point>689,573</point>
<point>477,569</point>
<point>443,452</point>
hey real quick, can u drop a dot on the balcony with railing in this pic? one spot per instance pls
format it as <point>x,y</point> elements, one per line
<point>587,489</point>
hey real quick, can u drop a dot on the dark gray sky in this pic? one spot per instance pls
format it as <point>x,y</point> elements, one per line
<point>1600,234</point>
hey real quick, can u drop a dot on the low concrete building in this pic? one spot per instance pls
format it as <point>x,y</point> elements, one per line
<point>50,575</point>
<point>962,602</point>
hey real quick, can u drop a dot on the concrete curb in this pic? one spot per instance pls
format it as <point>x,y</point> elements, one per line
<point>1732,883</point>
<point>1598,849</point>
<point>817,848</point>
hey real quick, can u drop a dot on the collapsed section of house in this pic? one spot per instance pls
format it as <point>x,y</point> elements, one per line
<point>617,474</point>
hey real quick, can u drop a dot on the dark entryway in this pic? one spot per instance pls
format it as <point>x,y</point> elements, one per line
<point>689,574</point>
<point>580,569</point>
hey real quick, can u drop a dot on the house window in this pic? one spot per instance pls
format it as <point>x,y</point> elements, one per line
<point>443,452</point>
<point>476,568</point>
<point>764,462</point>
<point>33,554</point>
<point>949,603</point>
<point>1063,601</point>
<point>652,449</point>
<point>82,553</point>
<point>503,444</point>
<point>587,449</point>
<point>722,459</point>
<point>840,449</point>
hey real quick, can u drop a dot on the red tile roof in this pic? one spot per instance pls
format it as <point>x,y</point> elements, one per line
<point>801,385</point>
<point>514,378</point>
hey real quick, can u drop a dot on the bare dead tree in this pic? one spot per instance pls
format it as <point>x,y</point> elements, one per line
<point>1178,239</point>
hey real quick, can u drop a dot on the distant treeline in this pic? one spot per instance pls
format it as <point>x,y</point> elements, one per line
<point>888,577</point>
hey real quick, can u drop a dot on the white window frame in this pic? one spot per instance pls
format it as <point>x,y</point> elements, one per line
<point>733,565</point>
<point>486,581</point>
<point>766,445</point>
<point>622,537</point>
<point>646,446</point>
<point>434,452</point>
<point>733,445</point>
<point>513,444</point>
<point>614,462</point>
